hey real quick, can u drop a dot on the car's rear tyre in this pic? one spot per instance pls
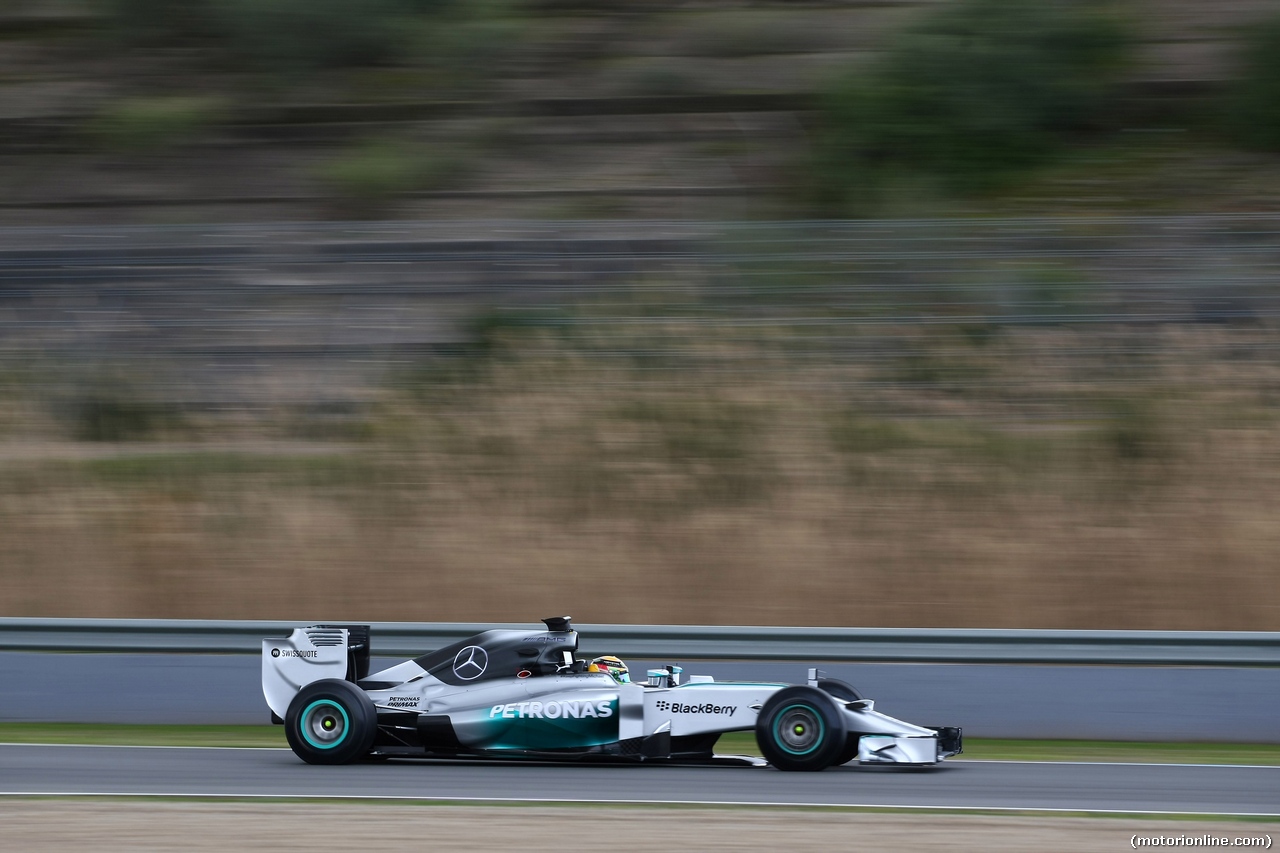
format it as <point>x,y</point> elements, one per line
<point>801,728</point>
<point>331,722</point>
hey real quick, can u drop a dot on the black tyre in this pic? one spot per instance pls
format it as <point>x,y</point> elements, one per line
<point>801,728</point>
<point>849,752</point>
<point>331,722</point>
<point>842,690</point>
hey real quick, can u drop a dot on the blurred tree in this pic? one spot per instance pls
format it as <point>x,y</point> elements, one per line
<point>301,34</point>
<point>161,22</point>
<point>278,35</point>
<point>970,96</point>
<point>1255,103</point>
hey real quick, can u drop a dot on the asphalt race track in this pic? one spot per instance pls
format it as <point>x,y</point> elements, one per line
<point>959,784</point>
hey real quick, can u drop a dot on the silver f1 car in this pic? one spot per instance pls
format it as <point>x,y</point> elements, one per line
<point>524,694</point>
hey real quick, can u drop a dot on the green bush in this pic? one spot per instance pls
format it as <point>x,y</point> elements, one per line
<point>1255,103</point>
<point>471,37</point>
<point>109,414</point>
<point>975,93</point>
<point>277,35</point>
<point>146,123</point>
<point>379,169</point>
<point>161,22</point>
<point>1135,430</point>
<point>372,170</point>
<point>855,433</point>
<point>302,34</point>
<point>662,76</point>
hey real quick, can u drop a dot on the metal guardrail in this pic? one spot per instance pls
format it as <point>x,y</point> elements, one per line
<point>686,642</point>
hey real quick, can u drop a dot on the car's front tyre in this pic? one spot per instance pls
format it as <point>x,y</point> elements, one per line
<point>331,722</point>
<point>801,728</point>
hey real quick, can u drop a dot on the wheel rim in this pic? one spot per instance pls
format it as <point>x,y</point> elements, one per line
<point>324,724</point>
<point>798,729</point>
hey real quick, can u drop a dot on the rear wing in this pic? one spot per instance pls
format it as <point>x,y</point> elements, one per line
<point>310,654</point>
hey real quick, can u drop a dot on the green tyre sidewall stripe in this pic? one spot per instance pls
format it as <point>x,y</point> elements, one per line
<point>777,724</point>
<point>305,728</point>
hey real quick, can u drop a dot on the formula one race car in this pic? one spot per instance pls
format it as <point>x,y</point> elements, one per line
<point>524,694</point>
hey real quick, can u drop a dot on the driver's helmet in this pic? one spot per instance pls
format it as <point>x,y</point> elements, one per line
<point>612,665</point>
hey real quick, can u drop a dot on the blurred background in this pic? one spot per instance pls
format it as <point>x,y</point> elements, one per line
<point>910,313</point>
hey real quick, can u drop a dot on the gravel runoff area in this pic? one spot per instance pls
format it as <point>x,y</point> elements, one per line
<point>120,825</point>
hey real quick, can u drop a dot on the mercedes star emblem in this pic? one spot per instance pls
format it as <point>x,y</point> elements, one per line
<point>470,663</point>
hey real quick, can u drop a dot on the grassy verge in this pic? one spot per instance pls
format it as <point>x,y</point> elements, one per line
<point>736,742</point>
<point>131,735</point>
<point>1081,750</point>
<point>1102,750</point>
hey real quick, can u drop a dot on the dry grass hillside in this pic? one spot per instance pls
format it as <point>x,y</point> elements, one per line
<point>757,489</point>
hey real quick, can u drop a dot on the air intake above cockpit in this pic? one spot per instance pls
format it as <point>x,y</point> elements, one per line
<point>558,623</point>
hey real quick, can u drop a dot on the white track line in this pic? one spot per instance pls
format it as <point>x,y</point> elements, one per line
<point>629,802</point>
<point>941,764</point>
